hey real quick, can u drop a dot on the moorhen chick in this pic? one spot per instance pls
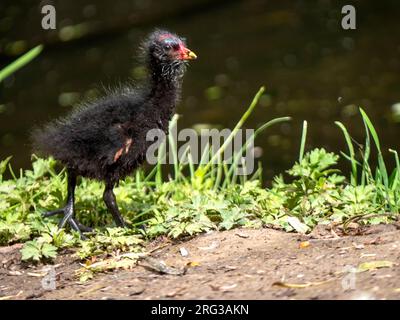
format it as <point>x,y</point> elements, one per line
<point>105,139</point>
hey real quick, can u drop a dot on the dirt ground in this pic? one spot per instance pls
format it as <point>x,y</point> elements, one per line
<point>235,264</point>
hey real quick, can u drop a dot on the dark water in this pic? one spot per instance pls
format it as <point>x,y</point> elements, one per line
<point>312,68</point>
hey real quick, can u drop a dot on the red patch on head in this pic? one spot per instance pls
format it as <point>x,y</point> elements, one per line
<point>166,36</point>
<point>182,48</point>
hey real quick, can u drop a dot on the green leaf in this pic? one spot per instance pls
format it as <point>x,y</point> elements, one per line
<point>48,250</point>
<point>31,251</point>
<point>297,225</point>
<point>3,166</point>
<point>373,265</point>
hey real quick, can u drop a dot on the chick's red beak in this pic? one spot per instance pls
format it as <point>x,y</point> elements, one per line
<point>187,54</point>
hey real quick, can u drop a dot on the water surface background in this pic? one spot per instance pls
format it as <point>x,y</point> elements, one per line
<point>312,68</point>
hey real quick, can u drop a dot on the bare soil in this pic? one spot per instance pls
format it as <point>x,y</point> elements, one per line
<point>235,264</point>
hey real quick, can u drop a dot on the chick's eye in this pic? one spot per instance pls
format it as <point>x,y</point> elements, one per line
<point>167,47</point>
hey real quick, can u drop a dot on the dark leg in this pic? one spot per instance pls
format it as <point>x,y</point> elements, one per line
<point>111,203</point>
<point>82,227</point>
<point>70,206</point>
<point>68,210</point>
<point>52,213</point>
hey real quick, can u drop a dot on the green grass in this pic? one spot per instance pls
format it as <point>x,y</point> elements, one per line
<point>187,203</point>
<point>20,62</point>
<point>198,197</point>
<point>386,186</point>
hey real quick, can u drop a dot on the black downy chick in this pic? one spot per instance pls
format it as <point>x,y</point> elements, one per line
<point>106,139</point>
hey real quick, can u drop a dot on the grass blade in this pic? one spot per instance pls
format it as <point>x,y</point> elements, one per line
<point>242,120</point>
<point>303,140</point>
<point>20,62</point>
<point>252,138</point>
<point>381,163</point>
<point>350,146</point>
<point>173,147</point>
<point>397,170</point>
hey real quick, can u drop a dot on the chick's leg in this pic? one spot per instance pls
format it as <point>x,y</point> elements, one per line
<point>111,203</point>
<point>69,209</point>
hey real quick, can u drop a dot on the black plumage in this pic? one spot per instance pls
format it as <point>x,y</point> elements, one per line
<point>106,138</point>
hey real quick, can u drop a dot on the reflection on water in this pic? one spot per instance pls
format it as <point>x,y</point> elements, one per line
<point>312,68</point>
